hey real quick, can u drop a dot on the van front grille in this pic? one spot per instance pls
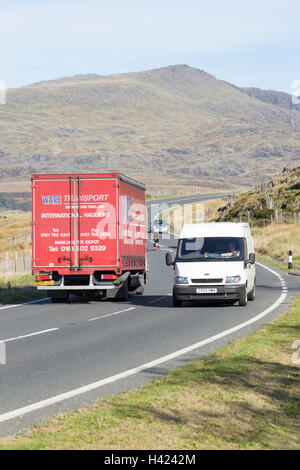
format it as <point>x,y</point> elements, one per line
<point>206,281</point>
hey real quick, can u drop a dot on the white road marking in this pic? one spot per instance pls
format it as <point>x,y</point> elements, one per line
<point>24,303</point>
<point>30,334</point>
<point>111,314</point>
<point>142,368</point>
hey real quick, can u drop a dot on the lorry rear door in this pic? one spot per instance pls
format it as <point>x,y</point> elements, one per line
<point>53,228</point>
<point>98,222</point>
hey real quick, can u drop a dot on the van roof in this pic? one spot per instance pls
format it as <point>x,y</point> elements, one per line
<point>215,229</point>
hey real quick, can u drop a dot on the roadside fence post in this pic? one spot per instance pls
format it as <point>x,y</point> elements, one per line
<point>290,264</point>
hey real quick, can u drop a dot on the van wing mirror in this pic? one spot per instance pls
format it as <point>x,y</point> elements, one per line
<point>169,259</point>
<point>251,258</point>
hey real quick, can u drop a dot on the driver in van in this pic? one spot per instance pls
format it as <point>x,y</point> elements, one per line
<point>232,251</point>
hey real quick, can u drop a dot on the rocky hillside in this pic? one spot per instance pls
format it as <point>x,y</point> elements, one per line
<point>277,98</point>
<point>171,126</point>
<point>280,194</point>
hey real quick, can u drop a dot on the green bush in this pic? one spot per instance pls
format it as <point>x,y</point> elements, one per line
<point>263,214</point>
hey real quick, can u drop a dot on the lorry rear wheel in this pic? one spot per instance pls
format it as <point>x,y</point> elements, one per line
<point>63,297</point>
<point>56,300</point>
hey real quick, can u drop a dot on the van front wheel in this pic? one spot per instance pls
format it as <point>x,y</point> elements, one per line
<point>251,295</point>
<point>176,302</point>
<point>243,300</point>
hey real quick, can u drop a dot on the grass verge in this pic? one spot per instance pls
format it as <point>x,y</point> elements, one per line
<point>18,289</point>
<point>275,241</point>
<point>244,396</point>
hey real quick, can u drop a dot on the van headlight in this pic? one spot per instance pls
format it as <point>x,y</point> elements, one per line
<point>181,280</point>
<point>233,279</point>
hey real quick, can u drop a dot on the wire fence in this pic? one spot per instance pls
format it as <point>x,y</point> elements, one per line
<point>20,238</point>
<point>15,262</point>
<point>280,217</point>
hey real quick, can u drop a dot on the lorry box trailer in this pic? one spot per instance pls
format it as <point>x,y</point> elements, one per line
<point>88,234</point>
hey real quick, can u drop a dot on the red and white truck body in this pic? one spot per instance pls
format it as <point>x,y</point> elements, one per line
<point>88,233</point>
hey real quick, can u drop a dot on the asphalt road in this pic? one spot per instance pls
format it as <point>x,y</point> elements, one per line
<point>62,356</point>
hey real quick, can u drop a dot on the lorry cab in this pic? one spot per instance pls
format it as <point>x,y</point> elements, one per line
<point>214,261</point>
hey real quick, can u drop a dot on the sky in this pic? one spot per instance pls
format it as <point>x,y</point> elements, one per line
<point>248,43</point>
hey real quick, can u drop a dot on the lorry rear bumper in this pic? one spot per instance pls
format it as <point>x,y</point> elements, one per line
<point>188,292</point>
<point>68,285</point>
<point>62,287</point>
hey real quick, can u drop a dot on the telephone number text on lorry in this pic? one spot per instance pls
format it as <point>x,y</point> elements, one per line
<point>84,248</point>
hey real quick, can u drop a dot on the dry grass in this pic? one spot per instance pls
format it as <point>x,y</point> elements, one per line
<point>277,239</point>
<point>12,224</point>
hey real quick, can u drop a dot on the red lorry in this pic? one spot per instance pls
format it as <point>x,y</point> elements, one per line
<point>88,234</point>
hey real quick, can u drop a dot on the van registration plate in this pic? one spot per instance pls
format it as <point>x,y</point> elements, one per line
<point>207,290</point>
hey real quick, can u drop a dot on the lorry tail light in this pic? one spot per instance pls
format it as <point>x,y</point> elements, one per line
<point>43,277</point>
<point>109,276</point>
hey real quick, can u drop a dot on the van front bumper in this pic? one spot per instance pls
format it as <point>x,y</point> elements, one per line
<point>188,292</point>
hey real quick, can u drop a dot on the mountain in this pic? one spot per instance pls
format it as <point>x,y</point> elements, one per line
<point>167,127</point>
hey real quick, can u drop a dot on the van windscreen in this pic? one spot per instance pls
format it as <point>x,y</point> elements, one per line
<point>211,249</point>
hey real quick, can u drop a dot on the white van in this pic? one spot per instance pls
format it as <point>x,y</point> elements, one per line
<point>214,261</point>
